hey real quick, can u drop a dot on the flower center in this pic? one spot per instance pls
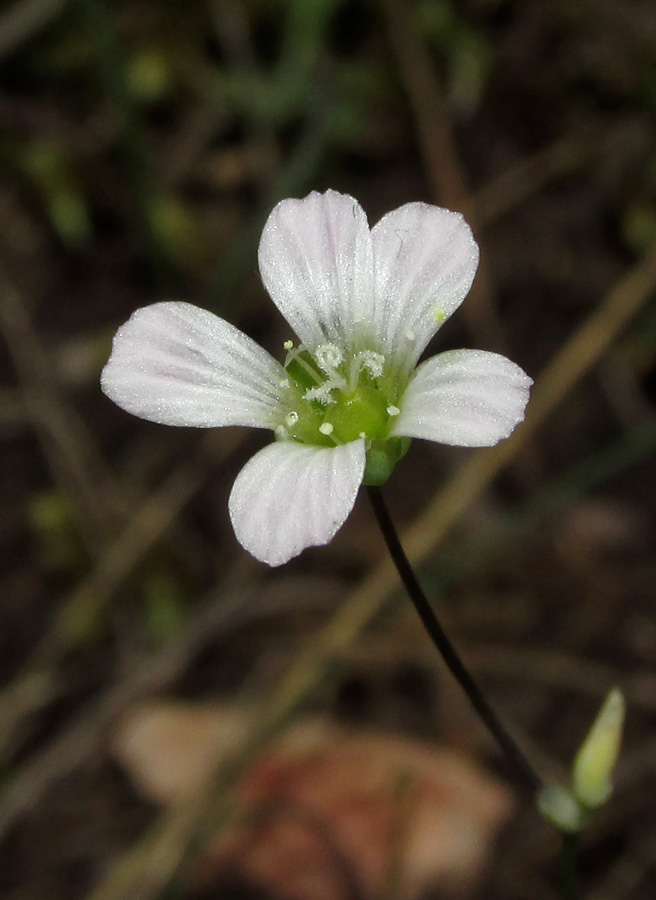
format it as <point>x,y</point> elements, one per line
<point>336,400</point>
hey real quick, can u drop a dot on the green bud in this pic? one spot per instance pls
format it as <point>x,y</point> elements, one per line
<point>595,761</point>
<point>559,807</point>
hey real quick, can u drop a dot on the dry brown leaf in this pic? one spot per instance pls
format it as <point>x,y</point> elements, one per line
<point>169,748</point>
<point>328,807</point>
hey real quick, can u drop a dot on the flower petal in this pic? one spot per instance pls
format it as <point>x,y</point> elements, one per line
<point>291,496</point>
<point>469,398</point>
<point>176,364</point>
<point>425,259</point>
<point>316,262</point>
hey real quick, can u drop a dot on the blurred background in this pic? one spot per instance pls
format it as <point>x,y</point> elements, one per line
<point>177,720</point>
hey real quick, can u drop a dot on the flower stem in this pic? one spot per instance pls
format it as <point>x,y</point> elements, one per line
<point>515,756</point>
<point>569,865</point>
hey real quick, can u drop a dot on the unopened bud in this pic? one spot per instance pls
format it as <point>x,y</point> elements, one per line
<point>559,807</point>
<point>595,762</point>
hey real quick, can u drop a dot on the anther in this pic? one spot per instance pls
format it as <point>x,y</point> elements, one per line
<point>288,345</point>
<point>393,410</point>
<point>326,428</point>
<point>291,419</point>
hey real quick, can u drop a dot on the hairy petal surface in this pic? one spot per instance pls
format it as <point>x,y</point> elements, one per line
<point>425,259</point>
<point>177,364</point>
<point>469,398</point>
<point>290,496</point>
<point>316,262</point>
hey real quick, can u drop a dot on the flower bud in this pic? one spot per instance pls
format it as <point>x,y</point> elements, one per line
<point>595,761</point>
<point>559,807</point>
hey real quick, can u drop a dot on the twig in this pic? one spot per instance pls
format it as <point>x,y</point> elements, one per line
<point>140,172</point>
<point>81,738</point>
<point>577,356</point>
<point>509,189</point>
<point>152,518</point>
<point>441,160</point>
<point>233,31</point>
<point>224,610</point>
<point>24,19</point>
<point>74,458</point>
<point>564,672</point>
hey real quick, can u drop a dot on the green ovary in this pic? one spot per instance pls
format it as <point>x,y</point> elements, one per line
<point>354,414</point>
<point>364,412</point>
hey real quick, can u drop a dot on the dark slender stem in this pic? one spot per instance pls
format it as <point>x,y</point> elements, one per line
<point>569,865</point>
<point>520,764</point>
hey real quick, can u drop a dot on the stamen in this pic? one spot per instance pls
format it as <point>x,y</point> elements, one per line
<point>393,410</point>
<point>328,429</point>
<point>296,355</point>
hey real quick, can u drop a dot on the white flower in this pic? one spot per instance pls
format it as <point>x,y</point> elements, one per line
<point>364,304</point>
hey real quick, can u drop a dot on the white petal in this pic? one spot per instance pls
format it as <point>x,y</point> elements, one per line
<point>425,259</point>
<point>469,398</point>
<point>177,364</point>
<point>316,262</point>
<point>290,496</point>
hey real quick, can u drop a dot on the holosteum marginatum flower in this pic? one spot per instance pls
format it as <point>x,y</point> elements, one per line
<point>348,397</point>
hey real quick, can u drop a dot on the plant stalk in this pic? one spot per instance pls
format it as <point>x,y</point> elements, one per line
<point>520,765</point>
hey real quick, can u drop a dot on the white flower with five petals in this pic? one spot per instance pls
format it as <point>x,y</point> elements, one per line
<point>364,303</point>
